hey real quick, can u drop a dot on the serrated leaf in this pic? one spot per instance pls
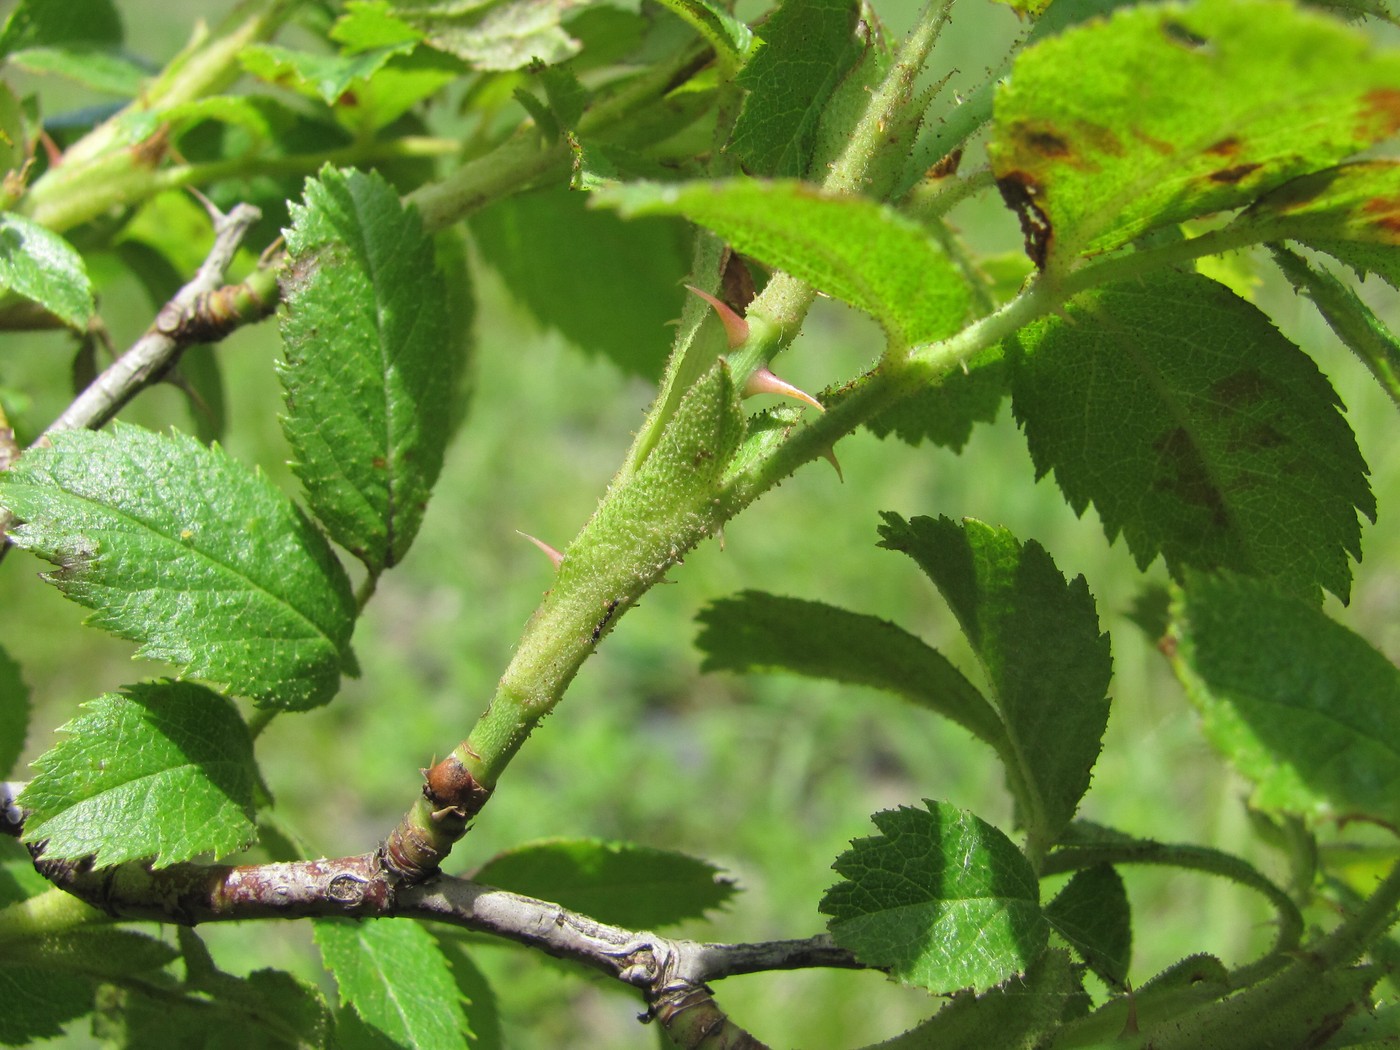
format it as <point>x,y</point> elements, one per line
<point>610,287</point>
<point>181,548</point>
<point>729,36</point>
<point>1304,708</point>
<point>1196,429</point>
<point>163,770</point>
<point>41,266</point>
<point>807,48</point>
<point>493,34</point>
<point>1350,202</point>
<point>93,952</point>
<point>370,24</point>
<point>39,1002</point>
<point>14,713</point>
<point>394,975</point>
<point>1092,914</point>
<point>946,412</point>
<point>941,899</point>
<point>326,77</point>
<point>372,363</point>
<point>763,632</point>
<point>854,249</point>
<point>1093,148</point>
<point>482,1011</point>
<point>615,882</point>
<point>1038,639</point>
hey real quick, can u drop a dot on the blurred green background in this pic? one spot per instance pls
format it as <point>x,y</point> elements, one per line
<point>769,777</point>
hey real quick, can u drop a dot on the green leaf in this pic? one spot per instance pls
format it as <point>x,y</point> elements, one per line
<point>39,1002</point>
<point>946,412</point>
<point>394,975</point>
<point>1038,639</point>
<point>372,363</point>
<point>807,48</point>
<point>95,67</point>
<point>326,77</point>
<point>1196,429</point>
<point>763,632</point>
<point>729,36</point>
<point>492,34</point>
<point>854,249</point>
<point>940,898</point>
<point>1092,914</point>
<point>41,266</point>
<point>368,25</point>
<point>1304,708</point>
<point>614,882</point>
<point>610,287</point>
<point>46,23</point>
<point>179,547</point>
<point>92,952</point>
<point>1092,146</point>
<point>482,1011</point>
<point>163,770</point>
<point>14,713</point>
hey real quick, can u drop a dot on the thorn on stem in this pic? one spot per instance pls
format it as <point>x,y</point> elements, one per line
<point>762,381</point>
<point>557,557</point>
<point>736,329</point>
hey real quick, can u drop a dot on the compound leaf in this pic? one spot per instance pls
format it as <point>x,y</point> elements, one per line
<point>1092,914</point>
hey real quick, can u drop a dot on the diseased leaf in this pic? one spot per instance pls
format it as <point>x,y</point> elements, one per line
<point>807,48</point>
<point>41,266</point>
<point>492,34</point>
<point>1093,146</point>
<point>1092,914</point>
<point>394,975</point>
<point>1196,429</point>
<point>1300,705</point>
<point>615,882</point>
<point>1038,638</point>
<point>179,547</point>
<point>763,632</point>
<point>372,363</point>
<point>163,770</point>
<point>14,713</point>
<point>854,249</point>
<point>610,287</point>
<point>940,898</point>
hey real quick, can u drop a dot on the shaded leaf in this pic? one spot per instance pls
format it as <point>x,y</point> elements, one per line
<point>482,1011</point>
<point>614,882</point>
<point>181,548</point>
<point>729,36</point>
<point>44,23</point>
<point>1092,914</point>
<point>372,363</point>
<point>1038,638</point>
<point>1093,147</point>
<point>41,266</point>
<point>394,975</point>
<point>763,632</point>
<point>164,770</point>
<point>14,713</point>
<point>92,952</point>
<point>39,1002</point>
<point>946,412</point>
<point>1196,429</point>
<point>1300,705</point>
<point>940,898</point>
<point>492,34</point>
<point>861,252</point>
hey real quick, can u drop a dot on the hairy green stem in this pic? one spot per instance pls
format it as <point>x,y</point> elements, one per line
<point>51,912</point>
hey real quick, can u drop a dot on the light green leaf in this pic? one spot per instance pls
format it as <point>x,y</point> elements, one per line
<point>92,952</point>
<point>608,286</point>
<point>492,34</point>
<point>1304,708</point>
<point>14,713</point>
<point>163,770</point>
<point>730,37</point>
<point>370,24</point>
<point>1038,638</point>
<point>763,632</point>
<point>1196,429</point>
<point>941,899</point>
<point>179,547</point>
<point>95,67</point>
<point>854,249</point>
<point>483,1012</point>
<point>326,77</point>
<point>1093,148</point>
<point>394,975</point>
<point>615,882</point>
<point>1092,914</point>
<point>41,266</point>
<point>807,48</point>
<point>372,363</point>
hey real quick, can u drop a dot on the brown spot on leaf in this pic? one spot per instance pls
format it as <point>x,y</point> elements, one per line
<point>1384,213</point>
<point>1240,389</point>
<point>1181,36</point>
<point>1226,147</point>
<point>1161,146</point>
<point>947,166</point>
<point>1046,143</point>
<point>1231,175</point>
<point>1380,113</point>
<point>1185,476</point>
<point>1020,191</point>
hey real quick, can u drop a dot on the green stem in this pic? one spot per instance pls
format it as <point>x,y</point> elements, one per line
<point>1379,912</point>
<point>53,911</point>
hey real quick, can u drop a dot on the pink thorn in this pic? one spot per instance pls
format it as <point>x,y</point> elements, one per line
<point>736,329</point>
<point>830,456</point>
<point>555,556</point>
<point>763,381</point>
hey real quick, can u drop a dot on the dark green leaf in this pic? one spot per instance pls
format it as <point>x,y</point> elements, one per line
<point>92,952</point>
<point>14,713</point>
<point>940,898</point>
<point>1038,639</point>
<point>39,1002</point>
<point>394,975</point>
<point>183,549</point>
<point>372,363</point>
<point>1301,706</point>
<point>852,248</point>
<point>615,882</point>
<point>608,286</point>
<point>807,47</point>
<point>492,34</point>
<point>1196,429</point>
<point>164,770</point>
<point>53,23</point>
<point>1092,914</point>
<point>946,412</point>
<point>730,37</point>
<point>482,1011</point>
<point>1093,146</point>
<point>41,266</point>
<point>763,632</point>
